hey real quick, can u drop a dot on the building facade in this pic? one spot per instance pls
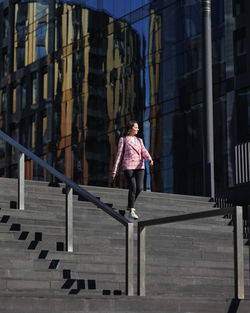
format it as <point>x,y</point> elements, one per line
<point>72,73</point>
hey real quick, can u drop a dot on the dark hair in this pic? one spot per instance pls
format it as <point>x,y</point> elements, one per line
<point>129,126</point>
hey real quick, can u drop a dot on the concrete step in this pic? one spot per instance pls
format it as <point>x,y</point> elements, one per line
<point>41,187</point>
<point>193,259</point>
<point>118,304</point>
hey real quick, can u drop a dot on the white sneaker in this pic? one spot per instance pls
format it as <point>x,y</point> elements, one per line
<point>133,215</point>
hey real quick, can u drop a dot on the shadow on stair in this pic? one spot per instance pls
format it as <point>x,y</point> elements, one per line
<point>234,306</point>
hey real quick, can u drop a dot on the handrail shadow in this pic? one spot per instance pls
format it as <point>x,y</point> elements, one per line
<point>234,305</point>
<point>70,186</point>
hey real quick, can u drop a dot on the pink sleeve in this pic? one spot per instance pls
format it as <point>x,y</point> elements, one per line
<point>145,152</point>
<point>119,155</point>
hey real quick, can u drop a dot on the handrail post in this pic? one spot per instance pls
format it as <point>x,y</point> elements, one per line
<point>208,93</point>
<point>69,219</point>
<point>141,261</point>
<point>21,181</point>
<point>238,253</point>
<point>130,259</point>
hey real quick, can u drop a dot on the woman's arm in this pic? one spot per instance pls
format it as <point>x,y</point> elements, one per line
<point>118,156</point>
<point>145,153</point>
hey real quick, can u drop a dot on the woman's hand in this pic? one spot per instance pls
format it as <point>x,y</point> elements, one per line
<point>151,163</point>
<point>113,176</point>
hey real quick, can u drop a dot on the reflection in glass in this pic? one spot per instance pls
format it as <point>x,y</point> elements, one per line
<point>23,96</point>
<point>34,88</point>
<point>14,100</point>
<point>5,24</point>
<point>5,62</point>
<point>243,106</point>
<point>114,61</point>
<point>3,105</point>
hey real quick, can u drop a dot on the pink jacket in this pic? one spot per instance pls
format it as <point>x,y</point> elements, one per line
<point>133,154</point>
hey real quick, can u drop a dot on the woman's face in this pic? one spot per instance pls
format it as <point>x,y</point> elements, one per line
<point>134,130</point>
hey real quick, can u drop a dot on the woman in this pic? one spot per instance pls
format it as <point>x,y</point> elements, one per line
<point>132,163</point>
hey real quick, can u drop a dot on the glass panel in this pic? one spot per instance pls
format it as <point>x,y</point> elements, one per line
<point>5,25</point>
<point>14,100</point>
<point>21,11</point>
<point>108,70</point>
<point>3,104</point>
<point>243,106</point>
<point>45,86</point>
<point>34,88</point>
<point>239,7</point>
<point>41,33</point>
<point>44,132</point>
<point>5,63</point>
<point>23,91</point>
<point>3,100</point>
<point>33,136</point>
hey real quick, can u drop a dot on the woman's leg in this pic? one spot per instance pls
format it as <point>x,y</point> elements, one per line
<point>130,176</point>
<point>139,177</point>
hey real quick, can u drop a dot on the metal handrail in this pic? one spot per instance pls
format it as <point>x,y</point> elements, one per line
<point>242,163</point>
<point>70,185</point>
<point>238,245</point>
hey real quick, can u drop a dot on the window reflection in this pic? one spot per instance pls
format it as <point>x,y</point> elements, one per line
<point>240,50</point>
<point>5,24</point>
<point>5,62</point>
<point>243,106</point>
<point>45,86</point>
<point>44,129</point>
<point>23,91</point>
<point>239,7</point>
<point>34,88</point>
<point>31,33</point>
<point>14,100</point>
<point>3,105</point>
<point>113,61</point>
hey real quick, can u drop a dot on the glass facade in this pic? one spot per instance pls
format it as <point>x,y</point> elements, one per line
<point>75,72</point>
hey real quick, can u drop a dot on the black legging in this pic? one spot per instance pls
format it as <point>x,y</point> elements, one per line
<point>135,182</point>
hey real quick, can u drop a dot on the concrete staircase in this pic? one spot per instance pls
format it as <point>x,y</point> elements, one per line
<point>189,264</point>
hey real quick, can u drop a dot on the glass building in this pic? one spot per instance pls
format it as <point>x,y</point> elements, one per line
<point>73,73</point>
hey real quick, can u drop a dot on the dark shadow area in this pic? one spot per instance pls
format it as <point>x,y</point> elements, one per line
<point>5,219</point>
<point>53,264</point>
<point>106,292</point>
<point>13,205</point>
<point>109,204</point>
<point>60,246</point>
<point>122,212</point>
<point>43,254</point>
<point>117,292</point>
<point>67,274</point>
<point>24,235</point>
<point>33,245</point>
<point>53,184</point>
<point>91,284</point>
<point>15,227</point>
<point>68,283</point>
<point>234,306</point>
<point>81,198</point>
<point>38,236</point>
<point>80,286</point>
<point>74,192</point>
